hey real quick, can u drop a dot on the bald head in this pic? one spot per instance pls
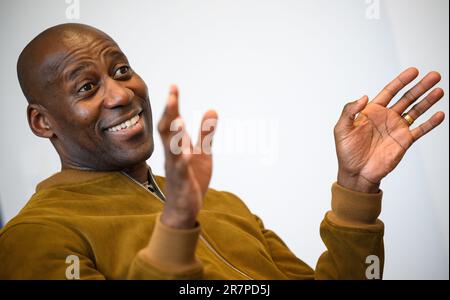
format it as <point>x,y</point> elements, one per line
<point>40,62</point>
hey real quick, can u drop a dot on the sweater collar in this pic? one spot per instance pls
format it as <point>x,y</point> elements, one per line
<point>68,176</point>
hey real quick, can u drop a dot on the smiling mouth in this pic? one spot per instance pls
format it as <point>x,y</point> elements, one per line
<point>125,125</point>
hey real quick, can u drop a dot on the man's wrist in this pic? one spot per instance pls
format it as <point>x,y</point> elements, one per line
<point>357,183</point>
<point>177,220</point>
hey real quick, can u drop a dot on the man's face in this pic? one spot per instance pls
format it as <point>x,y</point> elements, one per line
<point>99,109</point>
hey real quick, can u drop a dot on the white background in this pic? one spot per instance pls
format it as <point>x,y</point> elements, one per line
<point>288,66</point>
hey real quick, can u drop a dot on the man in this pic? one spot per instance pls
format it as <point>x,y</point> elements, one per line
<point>105,216</point>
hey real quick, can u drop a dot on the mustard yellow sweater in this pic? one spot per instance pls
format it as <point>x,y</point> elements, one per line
<point>105,219</point>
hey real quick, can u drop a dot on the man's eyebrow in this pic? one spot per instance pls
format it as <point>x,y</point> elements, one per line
<point>111,55</point>
<point>73,73</point>
<point>115,54</point>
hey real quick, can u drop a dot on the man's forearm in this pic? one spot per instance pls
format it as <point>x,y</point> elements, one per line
<point>353,235</point>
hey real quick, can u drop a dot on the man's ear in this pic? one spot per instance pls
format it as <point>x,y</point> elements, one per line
<point>38,121</point>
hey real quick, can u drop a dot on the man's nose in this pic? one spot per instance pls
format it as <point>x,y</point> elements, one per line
<point>116,94</point>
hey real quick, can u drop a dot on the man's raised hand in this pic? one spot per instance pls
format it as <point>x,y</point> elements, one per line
<point>371,138</point>
<point>188,167</point>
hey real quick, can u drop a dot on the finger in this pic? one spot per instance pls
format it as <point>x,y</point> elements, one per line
<point>427,126</point>
<point>171,112</point>
<point>423,86</point>
<point>176,140</point>
<point>350,110</point>
<point>420,108</point>
<point>390,90</point>
<point>206,133</point>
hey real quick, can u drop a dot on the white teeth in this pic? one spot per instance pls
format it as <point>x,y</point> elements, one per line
<point>127,124</point>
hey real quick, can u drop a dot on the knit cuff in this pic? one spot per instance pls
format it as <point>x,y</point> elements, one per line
<point>172,250</point>
<point>350,208</point>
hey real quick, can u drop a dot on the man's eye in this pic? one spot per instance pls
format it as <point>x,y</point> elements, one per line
<point>86,88</point>
<point>121,72</point>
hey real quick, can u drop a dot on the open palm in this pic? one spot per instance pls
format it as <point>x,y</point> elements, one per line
<point>371,139</point>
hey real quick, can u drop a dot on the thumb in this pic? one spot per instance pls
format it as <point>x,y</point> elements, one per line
<point>350,110</point>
